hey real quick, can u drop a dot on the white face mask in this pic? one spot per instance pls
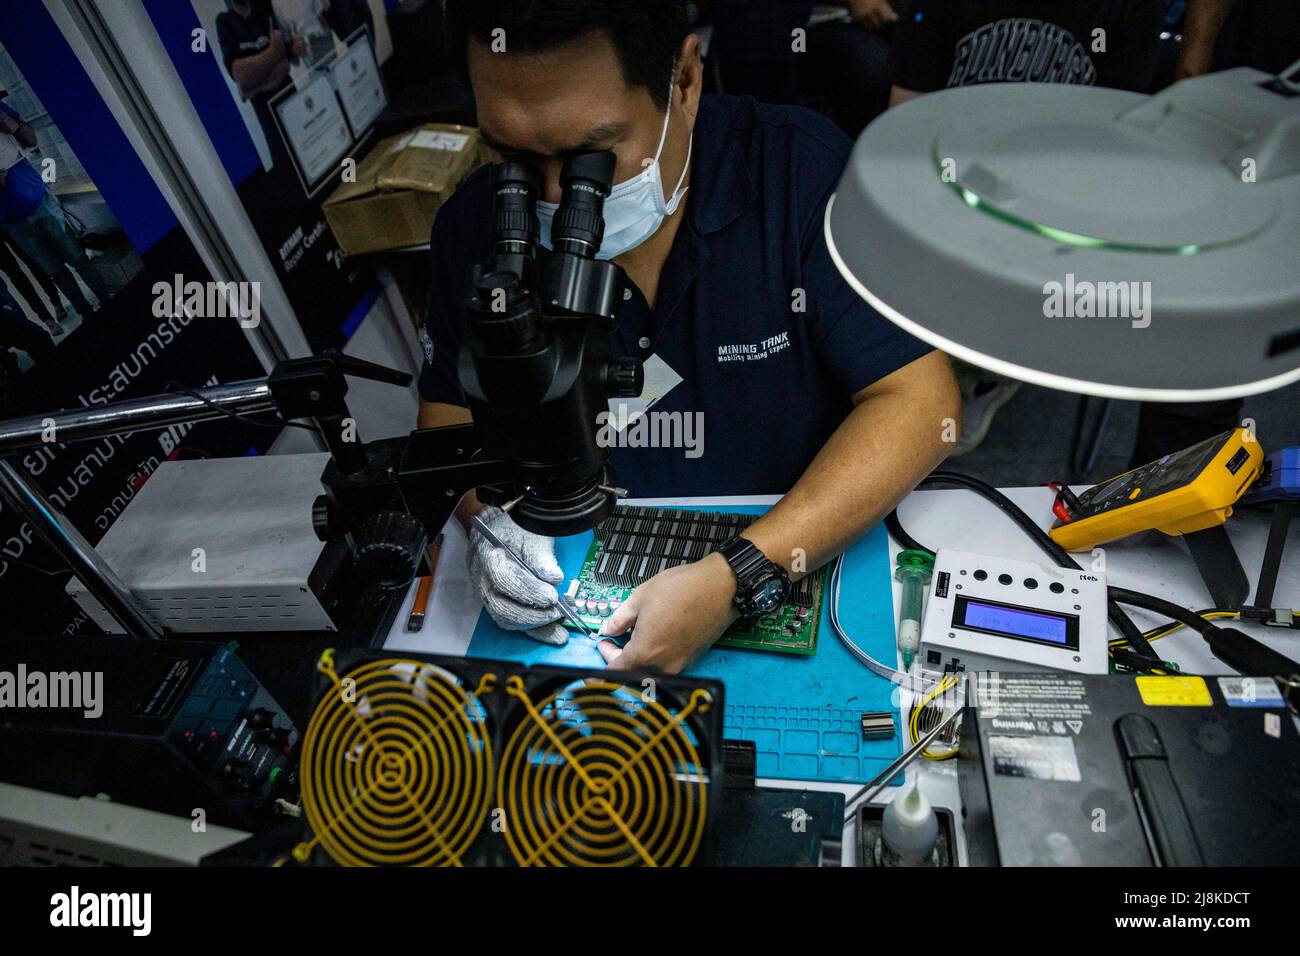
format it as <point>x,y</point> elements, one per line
<point>635,209</point>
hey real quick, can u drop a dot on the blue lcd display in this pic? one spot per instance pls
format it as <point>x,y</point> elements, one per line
<point>1016,623</point>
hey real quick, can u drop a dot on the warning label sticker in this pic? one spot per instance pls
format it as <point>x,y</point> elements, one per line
<point>1033,704</point>
<point>1035,757</point>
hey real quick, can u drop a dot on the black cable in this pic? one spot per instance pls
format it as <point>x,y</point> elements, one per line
<point>1008,507</point>
<point>1065,494</point>
<point>242,417</point>
<point>1238,650</point>
<point>895,528</point>
<point>1169,609</point>
<point>5,559</point>
<point>1132,635</point>
<point>1127,629</point>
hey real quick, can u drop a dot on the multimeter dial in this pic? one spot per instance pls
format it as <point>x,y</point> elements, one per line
<point>1170,472</point>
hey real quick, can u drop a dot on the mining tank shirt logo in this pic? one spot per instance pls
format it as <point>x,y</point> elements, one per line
<point>754,351</point>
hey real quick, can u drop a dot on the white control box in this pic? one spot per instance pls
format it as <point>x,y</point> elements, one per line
<point>990,613</point>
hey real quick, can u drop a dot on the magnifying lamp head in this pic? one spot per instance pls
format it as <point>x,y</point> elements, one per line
<point>1086,239</point>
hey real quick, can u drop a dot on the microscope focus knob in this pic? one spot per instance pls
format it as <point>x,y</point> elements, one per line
<point>390,545</point>
<point>624,378</point>
<point>506,315</point>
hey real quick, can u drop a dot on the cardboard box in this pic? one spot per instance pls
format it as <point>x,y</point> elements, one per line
<point>399,187</point>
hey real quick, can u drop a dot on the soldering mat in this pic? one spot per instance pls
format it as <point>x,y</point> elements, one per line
<point>803,713</point>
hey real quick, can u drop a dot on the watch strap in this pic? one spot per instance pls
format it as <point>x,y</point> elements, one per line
<point>743,556</point>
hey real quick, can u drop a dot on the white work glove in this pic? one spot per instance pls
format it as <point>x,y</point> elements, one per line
<point>517,600</point>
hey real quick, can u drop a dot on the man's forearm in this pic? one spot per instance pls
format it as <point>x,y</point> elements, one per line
<point>1201,26</point>
<point>891,439</point>
<point>1204,20</point>
<point>251,73</point>
<point>22,132</point>
<point>276,77</point>
<point>887,444</point>
<point>898,95</point>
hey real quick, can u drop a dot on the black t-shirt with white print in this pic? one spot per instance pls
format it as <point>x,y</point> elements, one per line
<point>948,43</point>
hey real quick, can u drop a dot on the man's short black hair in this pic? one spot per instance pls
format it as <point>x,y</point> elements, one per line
<point>646,34</point>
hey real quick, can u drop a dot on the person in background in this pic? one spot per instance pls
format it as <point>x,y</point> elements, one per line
<point>1221,34</point>
<point>253,49</point>
<point>1218,35</point>
<point>847,66</point>
<point>305,22</point>
<point>949,43</point>
<point>11,261</point>
<point>15,276</point>
<point>33,221</point>
<point>18,333</point>
<point>257,54</point>
<point>841,70</point>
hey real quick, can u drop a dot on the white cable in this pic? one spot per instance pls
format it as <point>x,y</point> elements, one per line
<point>915,683</point>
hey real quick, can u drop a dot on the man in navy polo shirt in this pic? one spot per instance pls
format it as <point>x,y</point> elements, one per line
<point>797,386</point>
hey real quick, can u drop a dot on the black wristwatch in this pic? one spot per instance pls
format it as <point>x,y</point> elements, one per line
<point>761,586</point>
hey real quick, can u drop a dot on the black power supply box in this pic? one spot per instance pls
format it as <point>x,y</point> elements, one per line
<point>173,726</point>
<point>1073,770</point>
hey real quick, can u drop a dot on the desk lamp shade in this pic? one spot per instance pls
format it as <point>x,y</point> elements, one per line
<point>1085,239</point>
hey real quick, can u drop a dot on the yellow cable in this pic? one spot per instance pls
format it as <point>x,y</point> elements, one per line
<point>1165,630</point>
<point>947,684</point>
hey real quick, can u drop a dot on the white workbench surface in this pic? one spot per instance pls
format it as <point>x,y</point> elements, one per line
<point>1150,563</point>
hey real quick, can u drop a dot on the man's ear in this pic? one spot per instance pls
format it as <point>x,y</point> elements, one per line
<point>690,75</point>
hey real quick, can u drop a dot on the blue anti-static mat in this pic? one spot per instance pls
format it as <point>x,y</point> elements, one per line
<point>801,712</point>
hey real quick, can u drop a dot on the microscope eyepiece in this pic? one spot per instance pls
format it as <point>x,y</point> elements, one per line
<point>515,226</point>
<point>579,224</point>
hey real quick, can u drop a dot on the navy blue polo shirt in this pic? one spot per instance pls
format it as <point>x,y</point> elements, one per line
<point>751,313</point>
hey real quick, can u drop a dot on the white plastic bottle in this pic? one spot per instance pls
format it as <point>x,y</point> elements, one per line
<point>909,830</point>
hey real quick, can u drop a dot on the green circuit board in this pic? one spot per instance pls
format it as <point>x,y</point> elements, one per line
<point>636,543</point>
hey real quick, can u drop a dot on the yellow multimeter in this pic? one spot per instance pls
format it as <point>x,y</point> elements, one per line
<point>1184,492</point>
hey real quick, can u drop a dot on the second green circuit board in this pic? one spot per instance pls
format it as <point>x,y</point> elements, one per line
<point>635,543</point>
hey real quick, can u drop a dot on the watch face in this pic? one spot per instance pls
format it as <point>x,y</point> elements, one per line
<point>769,595</point>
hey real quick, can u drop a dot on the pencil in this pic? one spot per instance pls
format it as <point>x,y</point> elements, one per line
<point>421,605</point>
